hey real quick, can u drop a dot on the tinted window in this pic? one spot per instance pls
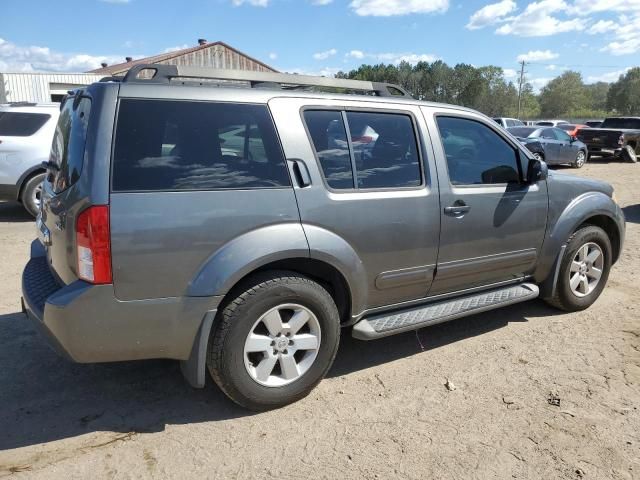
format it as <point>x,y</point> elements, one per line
<point>177,145</point>
<point>329,139</point>
<point>561,135</point>
<point>545,124</point>
<point>19,124</point>
<point>476,154</point>
<point>385,150</point>
<point>548,134</point>
<point>523,132</point>
<point>630,123</point>
<point>67,149</point>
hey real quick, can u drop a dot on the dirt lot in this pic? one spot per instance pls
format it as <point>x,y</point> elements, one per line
<point>384,411</point>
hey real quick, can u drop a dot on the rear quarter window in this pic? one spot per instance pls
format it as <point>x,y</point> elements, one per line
<point>21,124</point>
<point>182,145</point>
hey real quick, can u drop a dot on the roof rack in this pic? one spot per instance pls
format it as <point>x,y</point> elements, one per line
<point>163,74</point>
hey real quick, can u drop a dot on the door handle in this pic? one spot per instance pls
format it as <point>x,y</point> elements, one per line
<point>458,208</point>
<point>300,171</point>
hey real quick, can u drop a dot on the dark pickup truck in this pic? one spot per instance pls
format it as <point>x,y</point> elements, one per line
<point>617,136</point>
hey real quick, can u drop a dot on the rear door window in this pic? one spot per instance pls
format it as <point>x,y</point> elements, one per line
<point>21,124</point>
<point>365,150</point>
<point>182,145</point>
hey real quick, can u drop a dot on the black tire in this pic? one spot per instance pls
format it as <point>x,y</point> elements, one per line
<point>225,356</point>
<point>564,298</point>
<point>28,197</point>
<point>628,154</point>
<point>581,159</point>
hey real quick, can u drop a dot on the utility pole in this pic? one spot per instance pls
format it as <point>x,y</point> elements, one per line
<point>520,87</point>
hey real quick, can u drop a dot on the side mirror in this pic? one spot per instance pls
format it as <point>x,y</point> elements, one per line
<point>536,171</point>
<point>574,138</point>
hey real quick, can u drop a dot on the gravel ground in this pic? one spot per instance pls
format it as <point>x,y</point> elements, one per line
<point>383,412</point>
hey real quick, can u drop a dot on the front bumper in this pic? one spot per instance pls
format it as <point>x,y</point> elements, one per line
<point>88,324</point>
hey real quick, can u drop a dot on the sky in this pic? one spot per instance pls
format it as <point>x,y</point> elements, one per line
<point>599,38</point>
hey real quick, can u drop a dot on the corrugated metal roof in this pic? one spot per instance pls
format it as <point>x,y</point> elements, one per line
<point>163,57</point>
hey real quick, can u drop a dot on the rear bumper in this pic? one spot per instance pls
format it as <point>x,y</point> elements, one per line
<point>607,152</point>
<point>88,324</point>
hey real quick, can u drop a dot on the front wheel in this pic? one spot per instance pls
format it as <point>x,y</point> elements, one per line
<point>581,159</point>
<point>584,270</point>
<point>275,341</point>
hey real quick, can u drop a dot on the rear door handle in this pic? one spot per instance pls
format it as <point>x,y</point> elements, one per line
<point>300,171</point>
<point>459,209</point>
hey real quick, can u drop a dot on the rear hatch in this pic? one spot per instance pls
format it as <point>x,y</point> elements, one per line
<point>77,174</point>
<point>599,138</point>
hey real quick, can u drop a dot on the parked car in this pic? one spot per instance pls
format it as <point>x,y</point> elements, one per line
<point>26,131</point>
<point>550,123</point>
<point>508,122</point>
<point>617,136</point>
<point>571,129</point>
<point>250,265</point>
<point>593,123</point>
<point>559,147</point>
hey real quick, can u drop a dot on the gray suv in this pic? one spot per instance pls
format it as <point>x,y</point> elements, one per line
<point>239,222</point>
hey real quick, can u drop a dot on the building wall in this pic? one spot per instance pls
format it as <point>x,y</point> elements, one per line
<point>39,87</point>
<point>217,56</point>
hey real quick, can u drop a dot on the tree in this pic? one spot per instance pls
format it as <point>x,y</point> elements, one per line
<point>624,95</point>
<point>563,95</point>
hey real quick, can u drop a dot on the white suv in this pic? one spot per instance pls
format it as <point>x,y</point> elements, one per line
<point>26,132</point>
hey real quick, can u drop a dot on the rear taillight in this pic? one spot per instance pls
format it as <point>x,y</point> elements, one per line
<point>93,245</point>
<point>621,140</point>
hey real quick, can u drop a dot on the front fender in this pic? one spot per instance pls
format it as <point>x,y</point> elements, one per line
<point>577,212</point>
<point>244,254</point>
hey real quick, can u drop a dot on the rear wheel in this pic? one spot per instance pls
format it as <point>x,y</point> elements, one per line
<point>628,154</point>
<point>275,341</point>
<point>584,270</point>
<point>581,159</point>
<point>31,194</point>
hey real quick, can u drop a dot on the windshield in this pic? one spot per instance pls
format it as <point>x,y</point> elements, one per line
<point>522,132</point>
<point>67,150</point>
<point>625,123</point>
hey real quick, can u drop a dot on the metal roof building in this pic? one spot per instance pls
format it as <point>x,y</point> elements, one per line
<point>41,87</point>
<point>205,54</point>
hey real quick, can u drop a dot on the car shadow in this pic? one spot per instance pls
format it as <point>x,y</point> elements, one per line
<point>45,398</point>
<point>14,212</point>
<point>632,213</point>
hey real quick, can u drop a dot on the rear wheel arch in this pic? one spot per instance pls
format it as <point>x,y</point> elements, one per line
<point>28,175</point>
<point>321,272</point>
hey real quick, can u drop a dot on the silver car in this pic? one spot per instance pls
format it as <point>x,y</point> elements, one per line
<point>26,132</point>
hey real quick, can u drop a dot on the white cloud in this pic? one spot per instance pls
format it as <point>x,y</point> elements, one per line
<point>491,14</point>
<point>537,20</point>
<point>587,7</point>
<point>607,77</point>
<point>254,3</point>
<point>602,26</point>
<point>324,55</point>
<point>273,56</point>
<point>176,48</point>
<point>626,36</point>
<point>34,58</point>
<point>394,58</point>
<point>537,56</point>
<point>538,83</point>
<point>321,2</point>
<point>509,73</point>
<point>387,8</point>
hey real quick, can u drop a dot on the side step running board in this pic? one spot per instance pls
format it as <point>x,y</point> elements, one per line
<point>384,325</point>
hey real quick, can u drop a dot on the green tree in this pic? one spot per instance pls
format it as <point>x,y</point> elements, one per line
<point>563,95</point>
<point>624,95</point>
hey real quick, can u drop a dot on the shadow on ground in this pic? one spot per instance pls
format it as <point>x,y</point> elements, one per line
<point>44,397</point>
<point>14,212</point>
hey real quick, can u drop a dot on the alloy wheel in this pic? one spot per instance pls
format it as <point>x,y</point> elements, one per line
<point>282,345</point>
<point>586,269</point>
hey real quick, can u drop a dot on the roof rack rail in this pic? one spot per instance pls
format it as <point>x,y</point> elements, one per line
<point>163,74</point>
